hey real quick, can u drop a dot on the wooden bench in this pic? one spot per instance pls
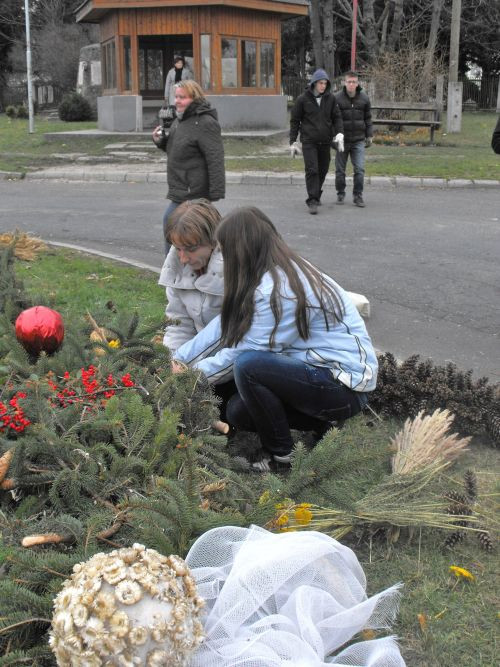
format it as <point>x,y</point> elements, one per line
<point>434,110</point>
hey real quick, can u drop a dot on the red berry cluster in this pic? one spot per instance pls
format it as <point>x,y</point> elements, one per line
<point>89,387</point>
<point>12,414</point>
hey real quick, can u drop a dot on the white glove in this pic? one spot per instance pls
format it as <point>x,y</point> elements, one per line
<point>339,140</point>
<point>295,149</point>
<point>368,142</point>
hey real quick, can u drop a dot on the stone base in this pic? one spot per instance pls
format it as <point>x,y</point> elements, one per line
<point>235,112</point>
<point>250,112</point>
<point>119,113</point>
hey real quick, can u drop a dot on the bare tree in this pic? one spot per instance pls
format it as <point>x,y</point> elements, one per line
<point>437,6</point>
<point>315,10</point>
<point>329,44</point>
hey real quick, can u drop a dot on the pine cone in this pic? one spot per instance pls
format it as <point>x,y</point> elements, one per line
<point>470,484</point>
<point>485,540</point>
<point>457,498</point>
<point>453,539</point>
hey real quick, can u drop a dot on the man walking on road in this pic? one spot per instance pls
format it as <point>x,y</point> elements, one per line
<point>356,113</point>
<point>316,116</point>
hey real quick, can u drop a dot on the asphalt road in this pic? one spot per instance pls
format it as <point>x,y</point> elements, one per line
<point>426,258</point>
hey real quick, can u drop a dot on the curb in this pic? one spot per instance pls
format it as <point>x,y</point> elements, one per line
<point>245,178</point>
<point>11,176</point>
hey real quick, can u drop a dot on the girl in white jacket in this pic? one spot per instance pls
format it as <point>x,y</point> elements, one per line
<point>291,338</point>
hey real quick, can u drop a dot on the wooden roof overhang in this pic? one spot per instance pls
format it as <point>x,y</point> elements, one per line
<point>92,11</point>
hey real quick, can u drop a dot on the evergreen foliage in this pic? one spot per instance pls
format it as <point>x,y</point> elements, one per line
<point>118,450</point>
<point>74,107</point>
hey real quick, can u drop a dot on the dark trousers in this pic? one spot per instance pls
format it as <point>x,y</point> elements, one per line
<point>317,162</point>
<point>224,391</point>
<point>277,393</point>
<point>357,153</point>
<point>172,205</point>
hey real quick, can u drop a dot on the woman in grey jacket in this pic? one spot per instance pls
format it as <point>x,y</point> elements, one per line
<point>193,276</point>
<point>193,272</point>
<point>195,154</point>
<point>179,72</point>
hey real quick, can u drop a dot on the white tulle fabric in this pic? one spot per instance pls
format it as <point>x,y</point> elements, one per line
<point>291,599</point>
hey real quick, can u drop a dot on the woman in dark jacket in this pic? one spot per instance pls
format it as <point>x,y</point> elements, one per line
<point>195,154</point>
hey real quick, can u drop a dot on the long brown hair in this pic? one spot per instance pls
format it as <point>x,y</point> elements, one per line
<point>251,246</point>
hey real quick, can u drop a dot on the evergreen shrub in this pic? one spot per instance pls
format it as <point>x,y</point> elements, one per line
<point>22,111</point>
<point>74,107</point>
<point>11,111</point>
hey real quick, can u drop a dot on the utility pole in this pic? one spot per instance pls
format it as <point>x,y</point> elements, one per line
<point>454,109</point>
<point>28,67</point>
<point>353,34</point>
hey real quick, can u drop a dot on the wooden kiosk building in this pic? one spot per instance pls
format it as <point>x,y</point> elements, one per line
<point>233,48</point>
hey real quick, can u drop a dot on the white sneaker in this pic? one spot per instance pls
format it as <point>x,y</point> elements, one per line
<point>262,465</point>
<point>286,458</point>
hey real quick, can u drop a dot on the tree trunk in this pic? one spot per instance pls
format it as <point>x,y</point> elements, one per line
<point>329,45</point>
<point>437,6</point>
<point>397,19</point>
<point>316,37</point>
<point>370,36</point>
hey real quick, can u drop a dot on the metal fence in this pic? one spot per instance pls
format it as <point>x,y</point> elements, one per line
<point>44,95</point>
<point>478,94</point>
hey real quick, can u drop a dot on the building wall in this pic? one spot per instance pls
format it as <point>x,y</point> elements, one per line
<point>217,21</point>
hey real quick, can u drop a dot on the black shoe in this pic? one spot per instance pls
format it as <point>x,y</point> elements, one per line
<point>358,201</point>
<point>312,206</point>
<point>340,197</point>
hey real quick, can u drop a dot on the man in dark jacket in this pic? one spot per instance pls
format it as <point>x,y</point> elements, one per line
<point>495,139</point>
<point>316,116</point>
<point>356,113</point>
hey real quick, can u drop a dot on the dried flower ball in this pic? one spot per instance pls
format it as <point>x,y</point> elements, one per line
<point>129,607</point>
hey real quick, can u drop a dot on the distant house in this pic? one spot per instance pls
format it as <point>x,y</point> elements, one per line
<point>233,47</point>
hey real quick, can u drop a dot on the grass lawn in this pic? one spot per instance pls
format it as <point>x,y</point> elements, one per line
<point>443,621</point>
<point>20,151</point>
<point>75,283</point>
<point>464,155</point>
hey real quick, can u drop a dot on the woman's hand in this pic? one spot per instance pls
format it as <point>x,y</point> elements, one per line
<point>178,367</point>
<point>158,135</point>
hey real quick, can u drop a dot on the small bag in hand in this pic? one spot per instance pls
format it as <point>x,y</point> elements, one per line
<point>167,114</point>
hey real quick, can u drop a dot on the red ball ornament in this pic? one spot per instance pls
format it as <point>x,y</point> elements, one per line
<point>40,329</point>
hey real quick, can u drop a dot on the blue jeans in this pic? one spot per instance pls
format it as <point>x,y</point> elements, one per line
<point>172,205</point>
<point>357,153</point>
<point>276,393</point>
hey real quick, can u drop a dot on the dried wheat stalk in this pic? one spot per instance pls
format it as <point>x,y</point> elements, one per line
<point>26,247</point>
<point>424,440</point>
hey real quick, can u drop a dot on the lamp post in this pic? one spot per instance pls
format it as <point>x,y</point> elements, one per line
<point>353,34</point>
<point>28,67</point>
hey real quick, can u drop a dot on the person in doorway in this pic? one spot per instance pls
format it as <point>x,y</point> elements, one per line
<point>288,335</point>
<point>316,116</point>
<point>179,72</point>
<point>355,108</point>
<point>195,154</point>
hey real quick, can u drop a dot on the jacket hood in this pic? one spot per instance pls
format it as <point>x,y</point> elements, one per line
<point>317,76</point>
<point>200,107</point>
